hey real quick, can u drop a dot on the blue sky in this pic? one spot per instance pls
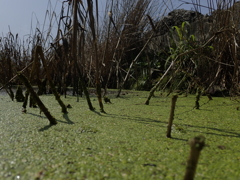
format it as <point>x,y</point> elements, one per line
<point>20,14</point>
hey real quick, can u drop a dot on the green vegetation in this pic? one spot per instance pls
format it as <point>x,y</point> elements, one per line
<point>123,49</point>
<point>128,142</point>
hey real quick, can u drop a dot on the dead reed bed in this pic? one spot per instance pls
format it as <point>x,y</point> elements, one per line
<point>114,49</point>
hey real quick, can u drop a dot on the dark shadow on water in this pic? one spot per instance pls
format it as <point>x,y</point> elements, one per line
<point>138,119</point>
<point>205,109</point>
<point>45,128</point>
<point>179,139</point>
<point>228,133</point>
<point>154,122</point>
<point>98,113</point>
<point>37,115</point>
<point>65,116</point>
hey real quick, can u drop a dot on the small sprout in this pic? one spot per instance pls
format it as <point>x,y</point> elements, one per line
<point>19,95</point>
<point>34,106</point>
<point>40,175</point>
<point>106,99</point>
<point>24,110</point>
<point>221,147</point>
<point>149,164</point>
<point>69,106</point>
<point>209,97</point>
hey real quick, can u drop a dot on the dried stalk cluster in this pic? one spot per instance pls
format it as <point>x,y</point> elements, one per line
<point>115,52</point>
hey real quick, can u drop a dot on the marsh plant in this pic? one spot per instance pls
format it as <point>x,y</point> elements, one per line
<point>91,51</point>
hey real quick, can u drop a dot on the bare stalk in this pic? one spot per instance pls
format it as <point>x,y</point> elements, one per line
<point>51,119</point>
<point>196,145</point>
<point>57,96</point>
<point>74,56</point>
<point>171,117</point>
<point>98,73</point>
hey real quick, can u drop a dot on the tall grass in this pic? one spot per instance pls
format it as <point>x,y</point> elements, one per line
<point>110,50</point>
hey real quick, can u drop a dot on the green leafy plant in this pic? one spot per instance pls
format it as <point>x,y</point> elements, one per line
<point>180,42</point>
<point>182,51</point>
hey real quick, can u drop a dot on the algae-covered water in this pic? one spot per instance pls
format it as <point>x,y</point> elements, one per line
<point>128,142</point>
